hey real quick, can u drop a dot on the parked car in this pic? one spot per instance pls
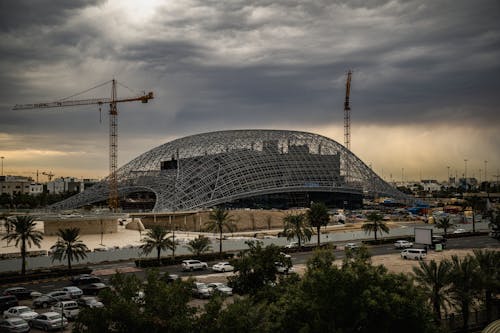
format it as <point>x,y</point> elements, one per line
<point>43,302</point>
<point>417,254</point>
<point>220,287</point>
<point>94,288</point>
<point>7,302</point>
<point>351,246</point>
<point>283,268</point>
<point>459,231</point>
<point>402,244</point>
<point>74,292</point>
<point>69,309</point>
<point>223,266</point>
<point>84,279</point>
<point>89,302</point>
<point>20,311</point>
<point>49,321</point>
<point>292,245</point>
<point>201,290</point>
<point>14,325</point>
<point>191,265</point>
<point>169,278</point>
<point>19,292</point>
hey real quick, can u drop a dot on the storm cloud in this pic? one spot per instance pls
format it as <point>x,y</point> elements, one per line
<point>260,64</point>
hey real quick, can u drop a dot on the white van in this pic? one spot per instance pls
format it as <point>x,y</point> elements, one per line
<point>413,254</point>
<point>70,309</point>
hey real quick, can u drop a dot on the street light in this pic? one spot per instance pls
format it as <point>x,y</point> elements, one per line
<point>1,157</point>
<point>465,174</point>
<point>62,312</point>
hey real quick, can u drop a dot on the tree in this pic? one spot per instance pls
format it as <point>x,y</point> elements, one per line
<point>219,219</point>
<point>156,238</point>
<point>376,224</point>
<point>295,226</point>
<point>464,284</point>
<point>199,245</point>
<point>489,273</point>
<point>132,306</point>
<point>444,223</point>
<point>69,246</point>
<point>434,280</point>
<point>317,215</point>
<point>475,204</point>
<point>327,297</point>
<point>255,268</point>
<point>24,234</point>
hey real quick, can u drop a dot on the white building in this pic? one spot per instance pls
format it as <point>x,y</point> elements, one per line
<point>65,184</point>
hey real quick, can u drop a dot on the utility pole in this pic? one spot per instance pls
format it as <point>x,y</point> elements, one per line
<point>1,157</point>
<point>485,167</point>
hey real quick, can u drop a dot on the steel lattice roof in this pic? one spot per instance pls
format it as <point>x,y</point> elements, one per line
<point>208,169</point>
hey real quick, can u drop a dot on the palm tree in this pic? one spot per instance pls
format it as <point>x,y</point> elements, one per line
<point>444,223</point>
<point>376,223</point>
<point>464,284</point>
<point>489,267</point>
<point>434,279</point>
<point>317,215</point>
<point>219,220</point>
<point>295,226</point>
<point>156,238</point>
<point>475,203</point>
<point>24,234</point>
<point>69,246</point>
<point>199,245</point>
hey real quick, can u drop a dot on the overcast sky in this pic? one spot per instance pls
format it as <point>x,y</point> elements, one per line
<point>425,90</point>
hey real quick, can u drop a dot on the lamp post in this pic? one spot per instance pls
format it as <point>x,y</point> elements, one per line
<point>465,174</point>
<point>62,310</point>
<point>2,157</point>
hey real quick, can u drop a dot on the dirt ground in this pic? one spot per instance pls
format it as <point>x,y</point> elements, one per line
<point>393,262</point>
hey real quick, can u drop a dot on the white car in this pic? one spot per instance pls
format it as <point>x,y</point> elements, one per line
<point>220,287</point>
<point>201,290</point>
<point>351,246</point>
<point>459,231</point>
<point>223,266</point>
<point>291,245</point>
<point>282,268</point>
<point>402,244</point>
<point>191,265</point>
<point>49,321</point>
<point>75,292</point>
<point>20,311</point>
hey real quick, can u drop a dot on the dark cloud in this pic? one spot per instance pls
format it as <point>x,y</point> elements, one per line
<point>25,14</point>
<point>236,64</point>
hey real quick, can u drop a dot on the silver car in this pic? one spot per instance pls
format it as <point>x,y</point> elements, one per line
<point>20,311</point>
<point>49,321</point>
<point>17,325</point>
<point>220,287</point>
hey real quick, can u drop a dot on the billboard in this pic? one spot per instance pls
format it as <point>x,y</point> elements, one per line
<point>423,236</point>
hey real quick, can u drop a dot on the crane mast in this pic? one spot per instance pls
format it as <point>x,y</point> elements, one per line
<point>347,122</point>
<point>347,112</point>
<point>113,200</point>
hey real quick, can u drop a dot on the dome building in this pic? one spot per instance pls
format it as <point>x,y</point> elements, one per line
<point>244,168</point>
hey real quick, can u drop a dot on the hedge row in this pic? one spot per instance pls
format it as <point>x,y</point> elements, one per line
<point>169,261</point>
<point>15,277</point>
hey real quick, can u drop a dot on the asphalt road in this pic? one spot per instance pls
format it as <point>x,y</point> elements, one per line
<point>297,258</point>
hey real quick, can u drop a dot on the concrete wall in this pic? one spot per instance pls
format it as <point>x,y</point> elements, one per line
<point>86,225</point>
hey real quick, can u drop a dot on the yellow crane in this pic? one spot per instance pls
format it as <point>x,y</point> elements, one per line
<point>113,126</point>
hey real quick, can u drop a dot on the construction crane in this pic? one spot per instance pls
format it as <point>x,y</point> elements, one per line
<point>347,112</point>
<point>113,126</point>
<point>347,120</point>
<point>48,174</point>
